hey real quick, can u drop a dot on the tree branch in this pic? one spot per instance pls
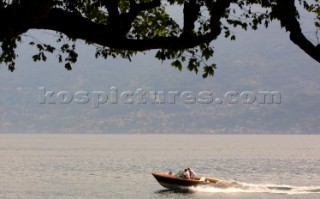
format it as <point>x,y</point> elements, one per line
<point>78,27</point>
<point>16,19</point>
<point>112,7</point>
<point>128,18</point>
<point>217,10</point>
<point>122,23</point>
<point>191,11</point>
<point>286,12</point>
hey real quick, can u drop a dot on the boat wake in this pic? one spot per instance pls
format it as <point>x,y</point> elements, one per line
<point>241,187</point>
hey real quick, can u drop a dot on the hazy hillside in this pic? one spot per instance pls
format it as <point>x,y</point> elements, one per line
<point>257,61</point>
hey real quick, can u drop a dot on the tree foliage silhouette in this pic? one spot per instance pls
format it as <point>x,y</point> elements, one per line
<point>125,27</point>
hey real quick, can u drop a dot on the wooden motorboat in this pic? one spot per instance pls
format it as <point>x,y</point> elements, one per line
<point>177,182</point>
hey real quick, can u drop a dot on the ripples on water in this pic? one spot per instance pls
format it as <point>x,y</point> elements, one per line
<point>120,166</point>
<point>260,188</point>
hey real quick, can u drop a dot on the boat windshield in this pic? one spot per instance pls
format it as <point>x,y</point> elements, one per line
<point>179,174</point>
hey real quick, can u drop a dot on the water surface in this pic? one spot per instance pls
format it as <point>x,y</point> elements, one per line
<point>120,166</point>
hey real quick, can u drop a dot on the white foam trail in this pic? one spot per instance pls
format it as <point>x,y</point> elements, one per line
<point>240,187</point>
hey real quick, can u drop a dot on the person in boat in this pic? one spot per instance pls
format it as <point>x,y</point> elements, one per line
<point>192,173</point>
<point>186,174</point>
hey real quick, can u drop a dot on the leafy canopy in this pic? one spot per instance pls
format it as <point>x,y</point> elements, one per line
<point>122,28</point>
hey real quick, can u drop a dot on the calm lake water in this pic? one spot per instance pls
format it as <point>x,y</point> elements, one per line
<point>120,166</point>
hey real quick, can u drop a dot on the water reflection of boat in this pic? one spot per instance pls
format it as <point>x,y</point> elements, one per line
<point>176,182</point>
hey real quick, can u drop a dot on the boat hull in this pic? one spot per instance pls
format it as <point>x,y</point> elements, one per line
<point>175,183</point>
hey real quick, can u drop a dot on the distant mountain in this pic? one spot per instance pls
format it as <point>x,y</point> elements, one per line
<point>257,61</point>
